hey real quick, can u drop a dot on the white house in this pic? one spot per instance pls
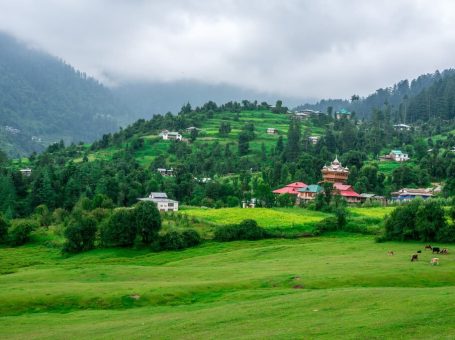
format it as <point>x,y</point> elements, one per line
<point>313,139</point>
<point>402,127</point>
<point>163,203</point>
<point>272,131</point>
<point>166,172</point>
<point>169,135</point>
<point>26,172</point>
<point>399,156</point>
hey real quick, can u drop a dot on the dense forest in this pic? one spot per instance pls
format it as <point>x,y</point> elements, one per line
<point>62,175</point>
<point>428,96</point>
<point>43,100</point>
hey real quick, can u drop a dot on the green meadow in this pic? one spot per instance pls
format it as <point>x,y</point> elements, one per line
<point>340,286</point>
<point>155,146</point>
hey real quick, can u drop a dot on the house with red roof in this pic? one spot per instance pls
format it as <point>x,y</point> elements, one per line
<point>347,192</point>
<point>291,188</point>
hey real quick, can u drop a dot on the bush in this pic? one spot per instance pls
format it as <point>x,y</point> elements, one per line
<point>419,220</point>
<point>119,230</point>
<point>19,232</point>
<point>446,234</point>
<point>175,240</point>
<point>43,215</point>
<point>191,237</point>
<point>246,230</point>
<point>80,234</point>
<point>4,226</point>
<point>148,221</point>
<point>327,224</point>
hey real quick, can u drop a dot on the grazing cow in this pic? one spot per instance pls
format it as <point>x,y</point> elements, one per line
<point>419,252</point>
<point>390,253</point>
<point>434,261</point>
<point>414,257</point>
<point>436,250</point>
<point>444,251</point>
<point>428,247</point>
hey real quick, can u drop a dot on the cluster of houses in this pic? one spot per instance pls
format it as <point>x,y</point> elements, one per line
<point>334,173</point>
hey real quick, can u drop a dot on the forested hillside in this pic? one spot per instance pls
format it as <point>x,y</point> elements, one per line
<point>43,100</point>
<point>428,96</point>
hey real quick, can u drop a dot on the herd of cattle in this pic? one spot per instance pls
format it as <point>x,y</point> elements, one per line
<point>434,250</point>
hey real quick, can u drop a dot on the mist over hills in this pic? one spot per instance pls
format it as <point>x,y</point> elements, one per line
<point>146,99</point>
<point>44,100</point>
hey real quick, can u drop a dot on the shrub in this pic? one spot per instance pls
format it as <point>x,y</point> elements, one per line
<point>43,215</point>
<point>80,234</point>
<point>4,225</point>
<point>192,237</point>
<point>246,230</point>
<point>446,234</point>
<point>19,232</point>
<point>400,224</point>
<point>59,216</point>
<point>175,240</point>
<point>119,230</point>
<point>430,219</point>
<point>418,220</point>
<point>148,221</point>
<point>327,224</point>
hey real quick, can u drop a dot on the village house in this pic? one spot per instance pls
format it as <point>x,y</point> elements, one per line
<point>335,172</point>
<point>407,194</point>
<point>249,203</point>
<point>347,192</point>
<point>272,131</point>
<point>27,172</point>
<point>168,135</point>
<point>166,172</point>
<point>395,155</point>
<point>338,175</point>
<point>301,115</point>
<point>192,128</point>
<point>292,188</point>
<point>373,198</point>
<point>313,139</point>
<point>309,193</point>
<point>402,127</point>
<point>343,113</point>
<point>163,203</point>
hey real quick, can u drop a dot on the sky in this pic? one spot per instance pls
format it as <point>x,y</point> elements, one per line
<point>307,49</point>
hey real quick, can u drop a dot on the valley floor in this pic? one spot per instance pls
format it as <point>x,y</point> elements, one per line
<point>329,287</point>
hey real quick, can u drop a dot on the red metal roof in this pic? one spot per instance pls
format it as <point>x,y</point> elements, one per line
<point>291,188</point>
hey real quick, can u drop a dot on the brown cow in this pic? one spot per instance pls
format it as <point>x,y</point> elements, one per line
<point>390,253</point>
<point>414,257</point>
<point>444,251</point>
<point>434,261</point>
<point>428,247</point>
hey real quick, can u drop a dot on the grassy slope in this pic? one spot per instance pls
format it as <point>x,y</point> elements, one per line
<point>350,289</point>
<point>154,146</point>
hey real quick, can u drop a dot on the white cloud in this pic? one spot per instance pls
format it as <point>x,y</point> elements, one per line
<point>292,48</point>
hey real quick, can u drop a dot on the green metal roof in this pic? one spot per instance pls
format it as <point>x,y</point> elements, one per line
<point>344,112</point>
<point>311,188</point>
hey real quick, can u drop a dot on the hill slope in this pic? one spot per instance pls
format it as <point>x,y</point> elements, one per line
<point>43,100</point>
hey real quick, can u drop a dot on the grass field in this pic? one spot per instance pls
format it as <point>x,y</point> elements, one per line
<point>275,218</point>
<point>333,287</point>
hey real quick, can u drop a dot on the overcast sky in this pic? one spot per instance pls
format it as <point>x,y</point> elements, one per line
<point>317,49</point>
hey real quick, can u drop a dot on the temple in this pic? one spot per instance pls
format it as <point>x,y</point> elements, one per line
<point>335,172</point>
